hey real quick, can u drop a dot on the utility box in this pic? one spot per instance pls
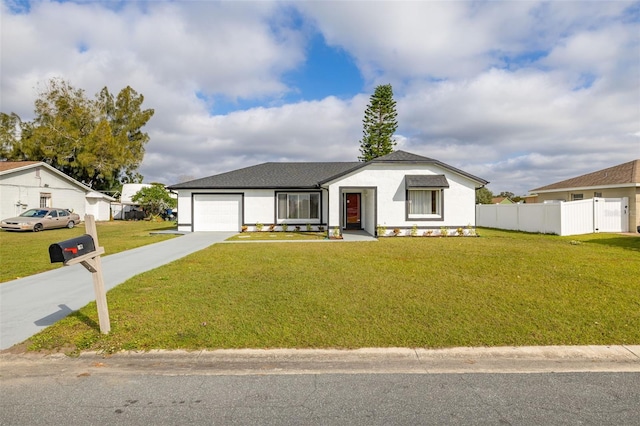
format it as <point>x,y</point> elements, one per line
<point>69,249</point>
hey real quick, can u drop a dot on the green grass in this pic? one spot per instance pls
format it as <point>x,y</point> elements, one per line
<point>27,253</point>
<point>505,288</point>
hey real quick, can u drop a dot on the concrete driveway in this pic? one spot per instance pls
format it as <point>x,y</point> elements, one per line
<point>28,305</point>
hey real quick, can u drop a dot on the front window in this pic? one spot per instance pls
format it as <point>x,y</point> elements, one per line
<point>298,206</point>
<point>576,197</point>
<point>45,200</point>
<point>424,203</point>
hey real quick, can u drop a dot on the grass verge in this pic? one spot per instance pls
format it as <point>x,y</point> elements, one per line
<point>505,288</point>
<point>27,253</point>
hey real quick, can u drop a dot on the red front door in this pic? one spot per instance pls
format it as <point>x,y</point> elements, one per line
<point>353,211</point>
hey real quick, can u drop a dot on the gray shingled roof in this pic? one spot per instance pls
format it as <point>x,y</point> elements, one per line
<point>271,175</point>
<point>301,175</point>
<point>403,156</point>
<point>626,173</point>
<point>426,181</point>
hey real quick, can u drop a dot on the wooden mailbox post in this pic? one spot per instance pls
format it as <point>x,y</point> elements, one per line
<point>92,262</point>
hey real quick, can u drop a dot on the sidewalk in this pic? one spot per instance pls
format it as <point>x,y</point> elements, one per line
<point>28,305</point>
<point>529,359</point>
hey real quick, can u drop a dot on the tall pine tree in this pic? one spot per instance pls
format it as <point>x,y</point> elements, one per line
<point>379,124</point>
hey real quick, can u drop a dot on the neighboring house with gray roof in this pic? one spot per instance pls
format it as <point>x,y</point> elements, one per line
<point>399,190</point>
<point>618,181</point>
<point>32,184</point>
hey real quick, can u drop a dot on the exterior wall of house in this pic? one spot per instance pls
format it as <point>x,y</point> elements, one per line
<point>633,193</point>
<point>21,190</point>
<point>259,206</point>
<point>390,197</point>
<point>99,208</point>
<point>184,210</point>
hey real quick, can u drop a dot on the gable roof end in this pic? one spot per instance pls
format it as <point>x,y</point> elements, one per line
<point>25,165</point>
<point>407,157</point>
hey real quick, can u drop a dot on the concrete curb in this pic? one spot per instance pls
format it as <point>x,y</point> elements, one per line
<point>529,359</point>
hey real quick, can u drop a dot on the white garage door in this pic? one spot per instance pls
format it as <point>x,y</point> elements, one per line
<point>217,212</point>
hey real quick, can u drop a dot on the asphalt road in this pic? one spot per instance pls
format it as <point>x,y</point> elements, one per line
<point>519,385</point>
<point>142,389</point>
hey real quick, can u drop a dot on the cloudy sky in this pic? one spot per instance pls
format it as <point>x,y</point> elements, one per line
<point>521,93</point>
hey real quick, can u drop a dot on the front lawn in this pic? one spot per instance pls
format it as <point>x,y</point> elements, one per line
<point>504,288</point>
<point>27,253</point>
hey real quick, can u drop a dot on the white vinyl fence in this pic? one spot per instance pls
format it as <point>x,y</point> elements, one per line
<point>561,218</point>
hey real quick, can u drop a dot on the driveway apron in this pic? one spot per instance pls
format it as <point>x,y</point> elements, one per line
<point>28,305</point>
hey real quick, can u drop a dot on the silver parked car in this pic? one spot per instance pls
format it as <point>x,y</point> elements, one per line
<point>39,219</point>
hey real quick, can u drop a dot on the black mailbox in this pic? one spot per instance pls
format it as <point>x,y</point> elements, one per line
<point>67,250</point>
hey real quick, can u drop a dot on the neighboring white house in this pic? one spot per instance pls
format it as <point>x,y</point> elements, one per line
<point>123,208</point>
<point>399,190</point>
<point>33,184</point>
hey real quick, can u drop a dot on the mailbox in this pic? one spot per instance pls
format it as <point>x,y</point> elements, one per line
<point>75,247</point>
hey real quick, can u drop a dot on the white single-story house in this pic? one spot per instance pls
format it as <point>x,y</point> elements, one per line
<point>618,181</point>
<point>32,184</point>
<point>396,191</point>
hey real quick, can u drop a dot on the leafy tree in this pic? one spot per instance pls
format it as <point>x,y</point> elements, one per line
<point>96,141</point>
<point>483,196</point>
<point>510,195</point>
<point>507,194</point>
<point>127,118</point>
<point>379,124</point>
<point>154,199</point>
<point>9,133</point>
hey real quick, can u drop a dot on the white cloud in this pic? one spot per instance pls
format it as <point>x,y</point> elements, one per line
<point>326,130</point>
<point>520,93</point>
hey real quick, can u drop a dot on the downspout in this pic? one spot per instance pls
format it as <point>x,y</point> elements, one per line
<point>475,208</point>
<point>328,211</point>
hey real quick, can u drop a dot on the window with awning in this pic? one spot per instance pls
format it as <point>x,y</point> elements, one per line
<point>425,196</point>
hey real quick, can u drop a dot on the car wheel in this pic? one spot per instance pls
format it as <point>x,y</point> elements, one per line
<point>71,224</point>
<point>38,227</point>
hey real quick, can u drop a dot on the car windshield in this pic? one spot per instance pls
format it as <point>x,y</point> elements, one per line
<point>35,213</point>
